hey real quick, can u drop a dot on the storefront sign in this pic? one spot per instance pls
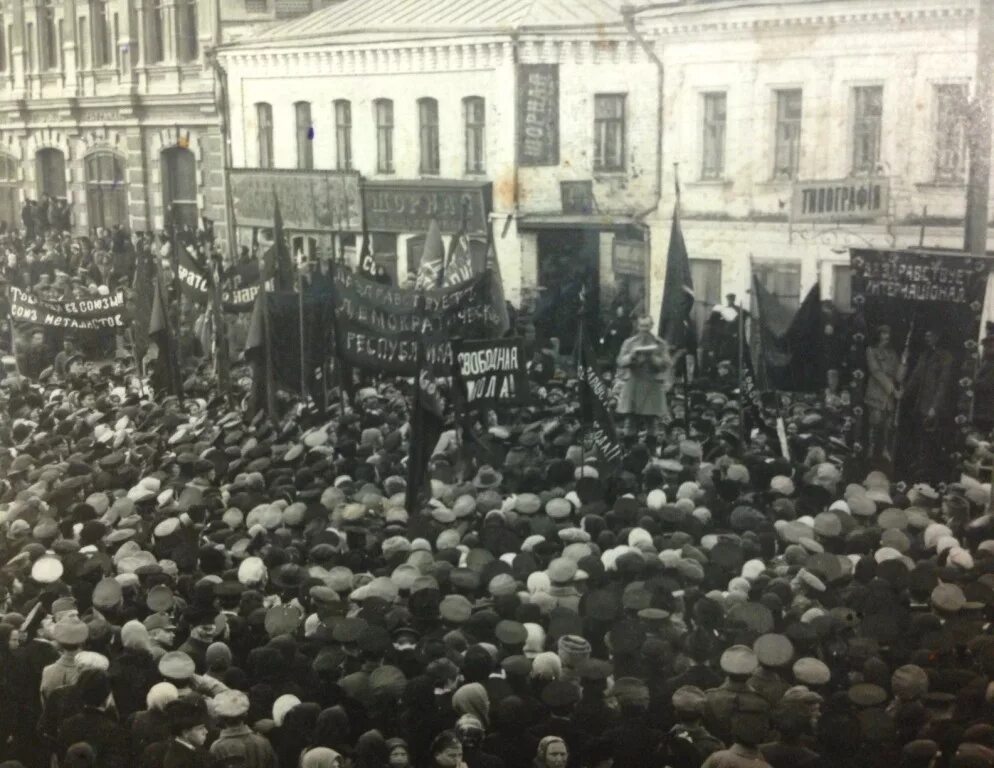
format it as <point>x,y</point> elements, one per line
<point>858,198</point>
<point>538,114</point>
<point>628,258</point>
<point>577,196</point>
<point>98,313</point>
<point>309,200</point>
<point>401,206</point>
<point>492,371</point>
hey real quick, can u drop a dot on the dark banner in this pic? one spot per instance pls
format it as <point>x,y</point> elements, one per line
<point>92,314</point>
<point>194,285</point>
<point>493,371</point>
<point>595,401</point>
<point>916,327</point>
<point>378,326</point>
<point>538,114</point>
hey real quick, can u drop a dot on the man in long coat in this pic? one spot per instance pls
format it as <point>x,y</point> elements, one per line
<point>644,366</point>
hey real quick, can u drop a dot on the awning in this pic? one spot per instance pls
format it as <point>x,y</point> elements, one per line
<point>597,221</point>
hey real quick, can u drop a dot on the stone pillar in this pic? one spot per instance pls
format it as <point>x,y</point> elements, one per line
<point>18,52</point>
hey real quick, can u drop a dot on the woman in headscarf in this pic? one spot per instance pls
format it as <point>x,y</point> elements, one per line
<point>371,751</point>
<point>472,699</point>
<point>320,757</point>
<point>552,753</point>
<point>399,753</point>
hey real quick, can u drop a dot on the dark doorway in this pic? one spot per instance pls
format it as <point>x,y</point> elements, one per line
<point>51,173</point>
<point>568,261</point>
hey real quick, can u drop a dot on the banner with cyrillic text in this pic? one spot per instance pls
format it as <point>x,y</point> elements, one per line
<point>379,327</point>
<point>95,314</point>
<point>194,285</point>
<point>493,371</point>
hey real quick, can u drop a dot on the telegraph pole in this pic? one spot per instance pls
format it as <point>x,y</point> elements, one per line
<point>979,126</point>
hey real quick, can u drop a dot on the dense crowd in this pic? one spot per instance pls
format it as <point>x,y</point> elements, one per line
<point>186,584</point>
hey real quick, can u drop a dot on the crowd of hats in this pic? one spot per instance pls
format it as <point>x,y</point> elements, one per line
<point>286,553</point>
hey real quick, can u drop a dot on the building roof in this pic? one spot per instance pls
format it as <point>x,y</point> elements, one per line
<point>364,17</point>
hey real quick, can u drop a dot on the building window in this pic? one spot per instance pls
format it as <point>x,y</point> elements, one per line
<point>10,50</point>
<point>842,287</point>
<point>868,109</point>
<point>117,48</point>
<point>787,147</point>
<point>29,52</point>
<point>383,109</point>
<point>782,279</point>
<point>179,186</point>
<point>3,46</point>
<point>428,122</point>
<point>264,121</point>
<point>101,33</point>
<point>51,173</point>
<point>713,154</point>
<point>609,132</point>
<point>950,132</point>
<point>10,187</point>
<point>187,45</point>
<point>343,135</point>
<point>475,120</point>
<point>156,50</point>
<point>48,43</point>
<point>106,194</point>
<point>81,49</point>
<point>305,135</point>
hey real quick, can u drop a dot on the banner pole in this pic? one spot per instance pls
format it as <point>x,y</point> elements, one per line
<point>741,370</point>
<point>300,318</point>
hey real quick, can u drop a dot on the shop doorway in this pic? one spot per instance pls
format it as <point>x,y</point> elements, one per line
<point>568,261</point>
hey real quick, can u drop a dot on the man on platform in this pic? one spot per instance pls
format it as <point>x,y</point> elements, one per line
<point>882,393</point>
<point>644,366</point>
<point>927,399</point>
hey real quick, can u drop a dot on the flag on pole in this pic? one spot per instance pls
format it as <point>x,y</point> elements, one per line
<point>675,324</point>
<point>166,376</point>
<point>277,263</point>
<point>431,271</point>
<point>497,300</point>
<point>427,425</point>
<point>790,343</point>
<point>367,264</point>
<point>144,296</point>
<point>458,262</point>
<point>259,353</point>
<point>595,396</point>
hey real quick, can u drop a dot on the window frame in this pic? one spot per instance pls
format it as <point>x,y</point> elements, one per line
<point>789,141</point>
<point>187,22</point>
<point>949,118</point>
<point>714,147</point>
<point>4,42</point>
<point>101,191</point>
<point>429,163</point>
<point>384,135</point>
<point>862,126</point>
<point>602,127</point>
<point>343,134</point>
<point>264,134</point>
<point>169,179</point>
<point>48,38</point>
<point>475,134</point>
<point>304,134</point>
<point>100,52</point>
<point>155,45</point>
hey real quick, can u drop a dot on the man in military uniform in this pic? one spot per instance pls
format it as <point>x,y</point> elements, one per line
<point>738,662</point>
<point>927,398</point>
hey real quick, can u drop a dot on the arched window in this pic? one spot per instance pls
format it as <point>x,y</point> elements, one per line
<point>106,194</point>
<point>305,135</point>
<point>264,128</point>
<point>9,192</point>
<point>475,118</point>
<point>343,134</point>
<point>51,172</point>
<point>428,124</point>
<point>179,186</point>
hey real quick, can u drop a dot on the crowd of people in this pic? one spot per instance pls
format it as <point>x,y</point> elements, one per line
<point>186,583</point>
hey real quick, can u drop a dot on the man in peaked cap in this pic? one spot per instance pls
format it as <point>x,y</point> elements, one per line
<point>688,742</point>
<point>236,740</point>
<point>69,634</point>
<point>738,662</point>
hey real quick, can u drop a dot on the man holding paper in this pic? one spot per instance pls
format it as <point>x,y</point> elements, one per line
<point>644,366</point>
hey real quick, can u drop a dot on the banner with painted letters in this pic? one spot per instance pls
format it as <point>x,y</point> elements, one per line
<point>95,313</point>
<point>493,371</point>
<point>193,283</point>
<point>378,326</point>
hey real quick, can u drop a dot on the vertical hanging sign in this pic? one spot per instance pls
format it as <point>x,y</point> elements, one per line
<point>538,114</point>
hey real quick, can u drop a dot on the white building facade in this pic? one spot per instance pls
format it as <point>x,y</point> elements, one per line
<point>771,105</point>
<point>422,99</point>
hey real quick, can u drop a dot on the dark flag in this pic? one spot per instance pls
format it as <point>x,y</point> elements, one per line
<point>595,406</point>
<point>144,297</point>
<point>343,371</point>
<point>675,325</point>
<point>458,262</point>
<point>790,343</point>
<point>277,264</point>
<point>257,351</point>
<point>367,264</point>
<point>497,300</point>
<point>427,425</point>
<point>166,376</point>
<point>431,270</point>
